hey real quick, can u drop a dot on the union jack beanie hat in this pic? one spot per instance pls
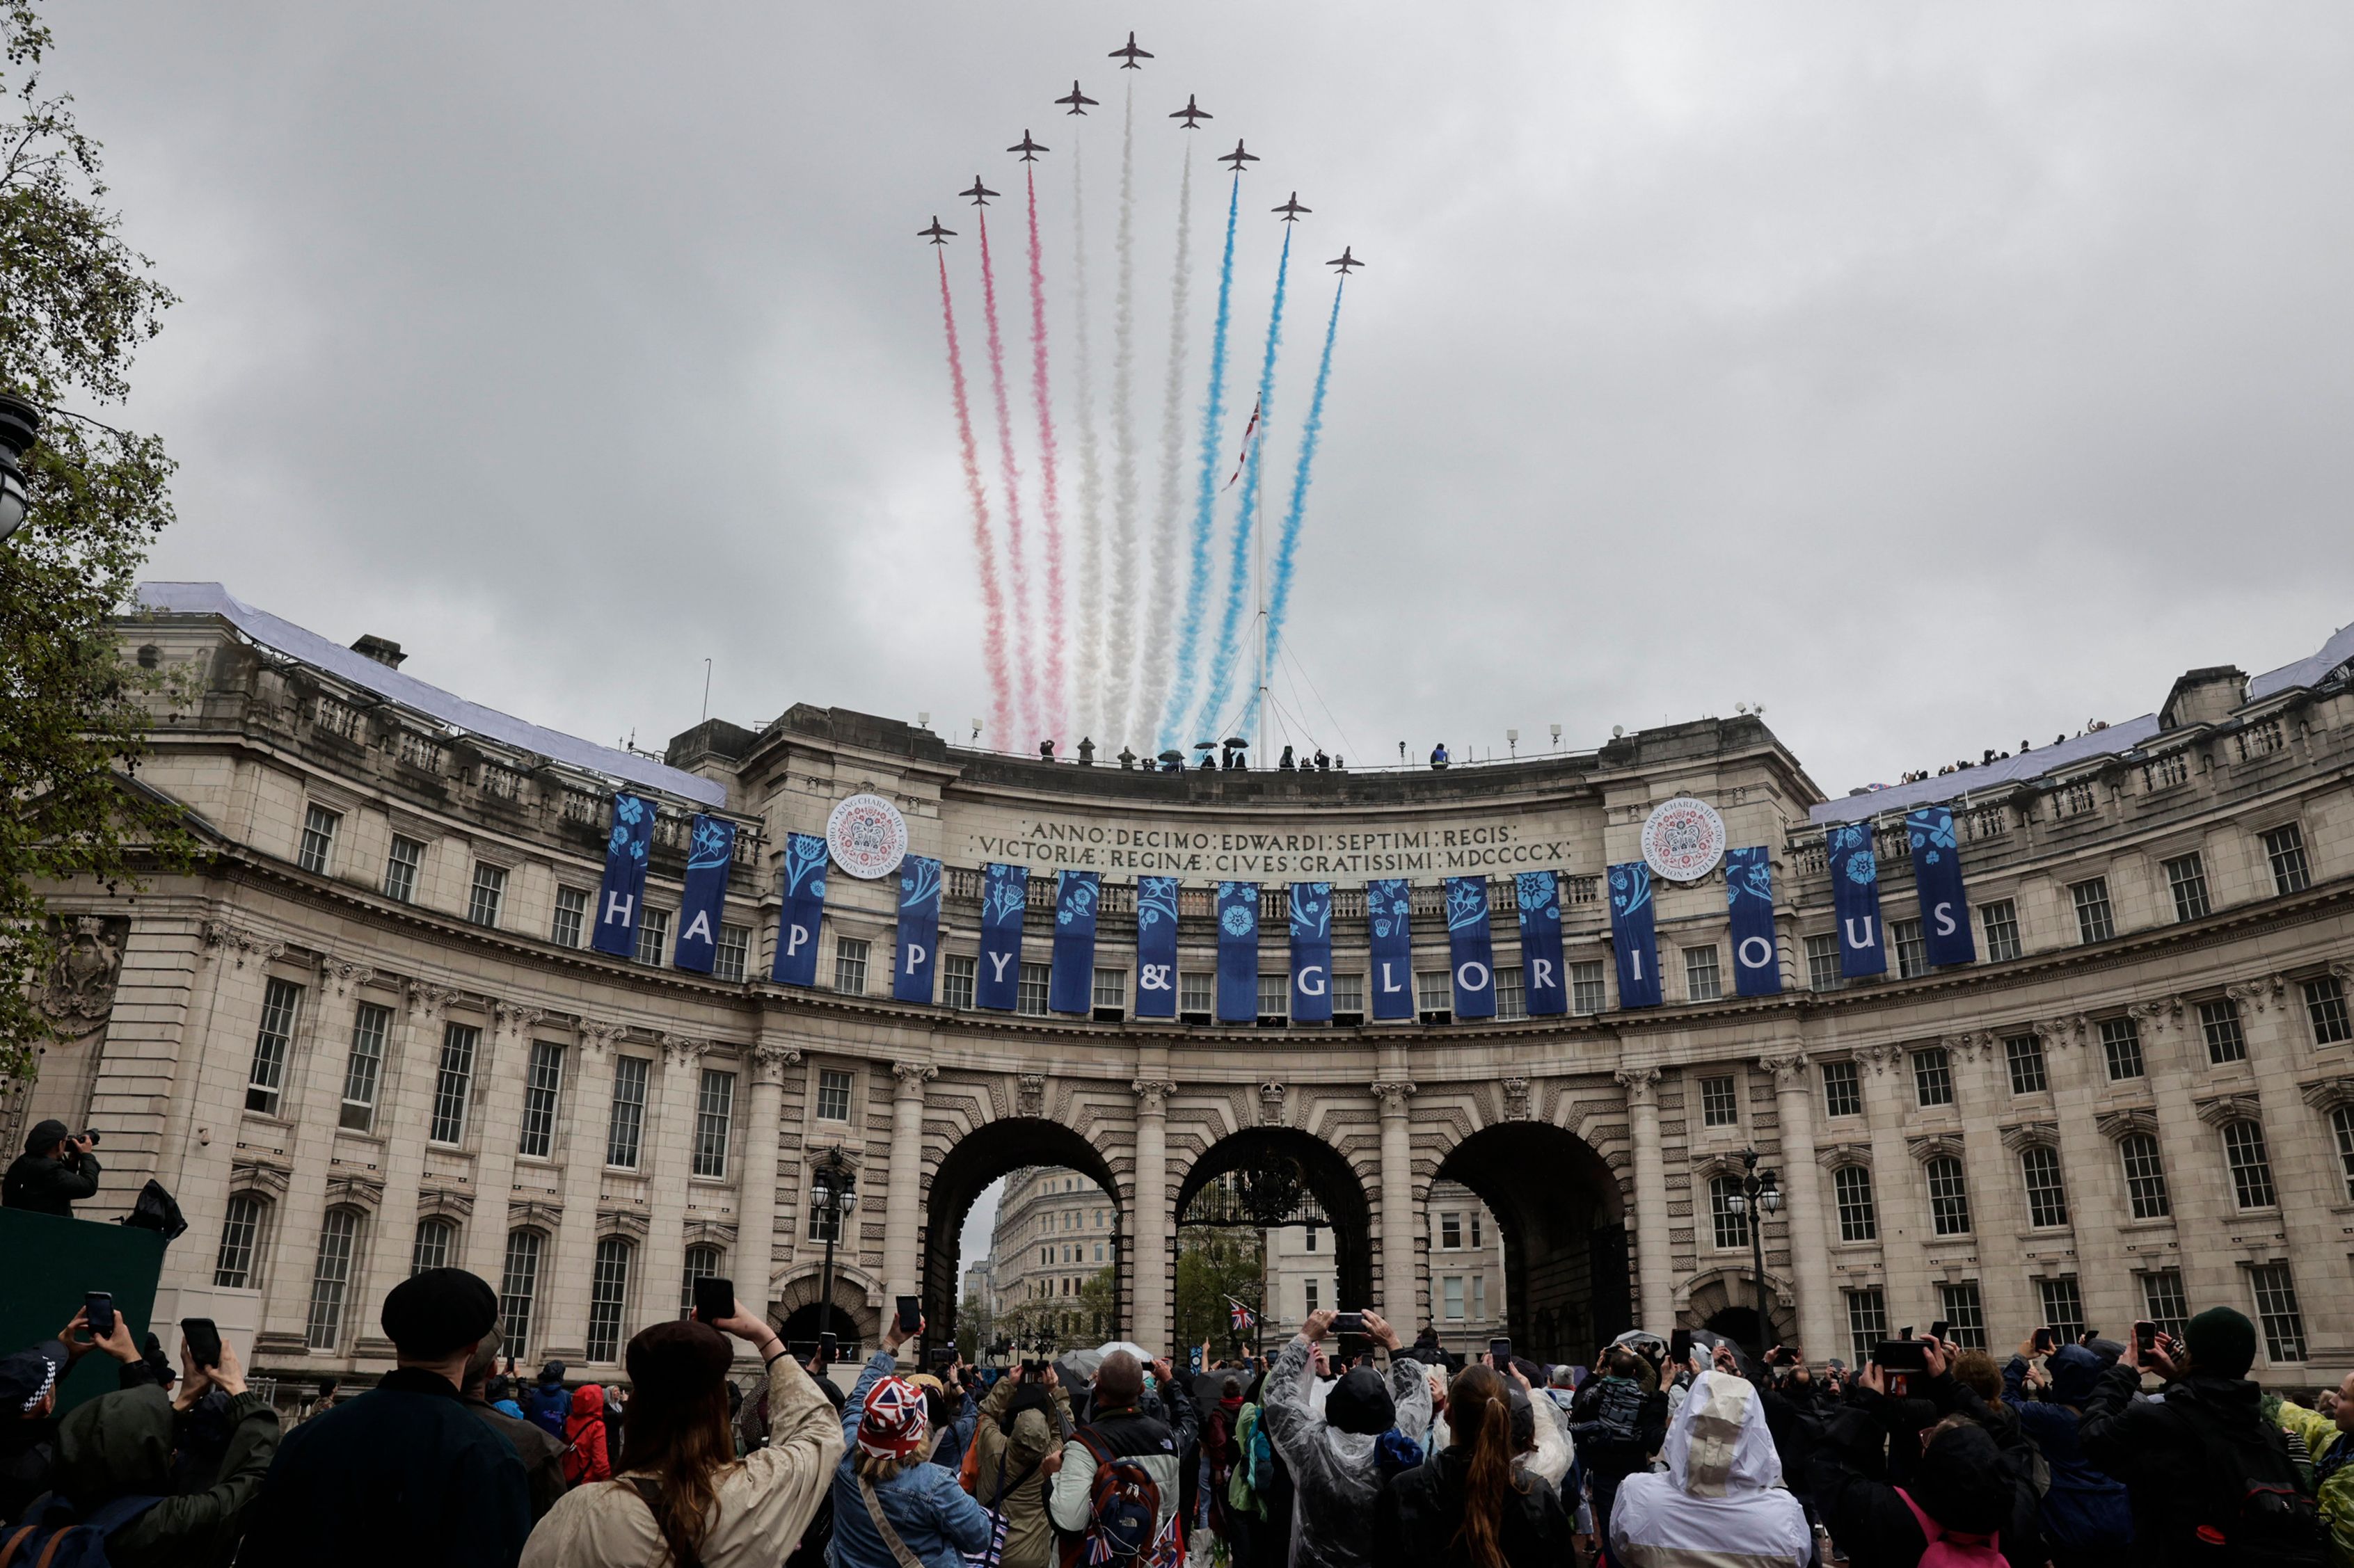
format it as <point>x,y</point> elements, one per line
<point>894,1422</point>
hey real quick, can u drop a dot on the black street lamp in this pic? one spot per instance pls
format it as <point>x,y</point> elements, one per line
<point>19,422</point>
<point>833,1197</point>
<point>1759,1196</point>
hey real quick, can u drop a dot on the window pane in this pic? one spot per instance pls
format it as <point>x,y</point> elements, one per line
<point>1701,981</point>
<point>1823,962</point>
<point>2341,1123</point>
<point>715,1111</point>
<point>330,1278</point>
<point>608,1289</point>
<point>2220,1020</point>
<point>1032,988</point>
<point>850,966</point>
<point>2121,1046</point>
<point>1859,1221</point>
<point>233,1265</point>
<point>1434,991</point>
<point>2276,1310</point>
<point>436,1240</point>
<point>400,870</point>
<point>1586,993</point>
<point>2325,1006</point>
<point>2063,1308</point>
<point>1842,1090</point>
<point>518,1284</point>
<point>1964,1313</point>
<point>2284,847</point>
<point>702,1263</point>
<point>571,917</point>
<point>2024,1053</point>
<point>1867,1324</point>
<point>2186,877</point>
<point>1732,1230</point>
<point>1348,996</point>
<point>365,1069</point>
<point>627,1122</point>
<point>832,1095</point>
<point>1912,949</point>
<point>2145,1177</point>
<point>1718,1105</point>
<point>490,891</point>
<point>734,948</point>
<point>2163,1301</point>
<point>1933,1076</point>
<point>653,937</point>
<point>454,1081</point>
<point>2047,1199</point>
<point>2093,923</point>
<point>1197,991</point>
<point>1275,996</point>
<point>2251,1167</point>
<point>543,1080</point>
<point>1512,993</point>
<point>319,839</point>
<point>1949,1200</point>
<point>281,1002</point>
<point>1109,988</point>
<point>959,973</point>
<point>2001,922</point>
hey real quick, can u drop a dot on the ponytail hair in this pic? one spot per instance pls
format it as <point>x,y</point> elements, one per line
<point>1480,1414</point>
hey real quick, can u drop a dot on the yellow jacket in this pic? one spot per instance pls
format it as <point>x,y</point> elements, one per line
<point>2336,1493</point>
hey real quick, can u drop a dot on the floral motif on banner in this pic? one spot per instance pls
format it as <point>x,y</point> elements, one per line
<point>804,866</point>
<point>1311,911</point>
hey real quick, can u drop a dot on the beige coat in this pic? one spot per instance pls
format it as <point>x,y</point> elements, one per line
<point>765,1502</point>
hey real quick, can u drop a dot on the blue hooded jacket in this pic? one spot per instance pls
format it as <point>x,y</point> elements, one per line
<point>2086,1505</point>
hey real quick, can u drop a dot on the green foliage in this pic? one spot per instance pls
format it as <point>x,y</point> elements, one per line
<point>75,302</point>
<point>1214,1262</point>
<point>973,1320</point>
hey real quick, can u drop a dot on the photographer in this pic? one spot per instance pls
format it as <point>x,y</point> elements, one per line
<point>1335,1455</point>
<point>56,1172</point>
<point>1021,1424</point>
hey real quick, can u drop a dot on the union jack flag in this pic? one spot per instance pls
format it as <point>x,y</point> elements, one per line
<point>1249,430</point>
<point>1243,1319</point>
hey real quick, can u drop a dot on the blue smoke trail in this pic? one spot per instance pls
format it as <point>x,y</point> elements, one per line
<point>1197,581</point>
<point>1279,601</point>
<point>1221,664</point>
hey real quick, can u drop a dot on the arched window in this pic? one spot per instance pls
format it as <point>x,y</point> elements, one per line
<point>2144,1176</point>
<point>238,1265</point>
<point>2047,1197</point>
<point>1949,1197</point>
<point>1858,1220</point>
<point>609,1290</point>
<point>1731,1228</point>
<point>2252,1167</point>
<point>703,1262</point>
<point>330,1277</point>
<point>437,1246</point>
<point>519,1285</point>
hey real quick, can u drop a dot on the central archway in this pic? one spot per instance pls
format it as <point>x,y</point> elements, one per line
<point>1322,1172</point>
<point>1563,1217</point>
<point>981,1156</point>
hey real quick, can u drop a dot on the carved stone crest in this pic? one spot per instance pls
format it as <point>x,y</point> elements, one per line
<point>78,990</point>
<point>1270,1103</point>
<point>1516,1099</point>
<point>1030,1095</point>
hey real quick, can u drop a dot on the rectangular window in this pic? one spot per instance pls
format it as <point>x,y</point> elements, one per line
<point>653,937</point>
<point>1311,1238</point>
<point>2047,1196</point>
<point>1842,1090</point>
<point>282,1002</point>
<point>2163,1301</point>
<point>319,825</point>
<point>959,973</point>
<point>400,870</point>
<point>1348,998</point>
<point>1454,1295</point>
<point>1032,991</point>
<point>364,1071</point>
<point>490,891</point>
<point>625,1126</point>
<point>1912,949</point>
<point>571,917</point>
<point>702,1263</point>
<point>1512,993</point>
<point>2186,878</point>
<point>2341,1127</point>
<point>1307,1293</point>
<point>1702,982</point>
<point>541,1081</point>
<point>518,1283</point>
<point>850,966</point>
<point>1965,1314</point>
<point>1719,1105</point>
<point>233,1265</point>
<point>714,1116</point>
<point>2000,923</point>
<point>1450,1231</point>
<point>1949,1197</point>
<point>1823,962</point>
<point>2145,1177</point>
<point>1729,1226</point>
<point>2121,1046</point>
<point>1859,1220</point>
<point>608,1289</point>
<point>1197,995</point>
<point>2284,847</point>
<point>436,1240</point>
<point>1274,999</point>
<point>2276,1310</point>
<point>2250,1164</point>
<point>2024,1055</point>
<point>1109,990</point>
<point>1479,1296</point>
<point>1867,1324</point>
<point>1587,994</point>
<point>834,1088</point>
<point>2220,1022</point>
<point>1475,1227</point>
<point>2063,1308</point>
<point>2325,1006</point>
<point>330,1278</point>
<point>2094,920</point>
<point>729,953</point>
<point>1933,1076</point>
<point>454,1081</point>
<point>1433,995</point>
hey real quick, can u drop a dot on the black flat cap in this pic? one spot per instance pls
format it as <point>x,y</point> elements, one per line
<point>439,1313</point>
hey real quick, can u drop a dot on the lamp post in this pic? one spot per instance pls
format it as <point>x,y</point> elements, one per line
<point>834,1195</point>
<point>1760,1195</point>
<point>19,422</point>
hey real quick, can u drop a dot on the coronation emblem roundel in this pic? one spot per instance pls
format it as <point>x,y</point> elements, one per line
<point>1683,839</point>
<point>867,836</point>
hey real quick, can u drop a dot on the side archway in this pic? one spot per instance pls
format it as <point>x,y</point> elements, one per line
<point>1563,1217</point>
<point>994,1150</point>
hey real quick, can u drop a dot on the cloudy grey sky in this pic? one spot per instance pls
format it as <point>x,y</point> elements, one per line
<point>1936,376</point>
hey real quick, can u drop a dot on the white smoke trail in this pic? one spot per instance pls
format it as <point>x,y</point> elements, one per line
<point>1160,617</point>
<point>1090,678</point>
<point>1120,632</point>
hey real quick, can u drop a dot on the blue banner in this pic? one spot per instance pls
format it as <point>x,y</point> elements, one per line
<point>1072,988</point>
<point>1156,947</point>
<point>1631,934</point>
<point>624,890</point>
<point>1749,899</point>
<point>1470,947</point>
<point>1855,900</point>
<point>710,849</point>
<point>1389,904</point>
<point>1311,952</point>
<point>1538,893</point>
<point>1238,952</point>
<point>919,953</point>
<point>1937,878</point>
<point>1004,901</point>
<point>804,910</point>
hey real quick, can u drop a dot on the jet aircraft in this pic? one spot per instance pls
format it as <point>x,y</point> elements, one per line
<point>1345,262</point>
<point>1028,148</point>
<point>936,234</point>
<point>1238,157</point>
<point>1191,113</point>
<point>1292,209</point>
<point>1077,100</point>
<point>980,192</point>
<point>1128,56</point>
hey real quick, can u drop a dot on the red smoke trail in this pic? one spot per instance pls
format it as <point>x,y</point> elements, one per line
<point>1026,677</point>
<point>992,623</point>
<point>1050,503</point>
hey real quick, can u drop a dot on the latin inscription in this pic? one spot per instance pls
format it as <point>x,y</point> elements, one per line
<point>1209,852</point>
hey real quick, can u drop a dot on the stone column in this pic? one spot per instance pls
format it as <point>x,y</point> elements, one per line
<point>903,1210</point>
<point>412,1054</point>
<point>1400,1302</point>
<point>1655,1273</point>
<point>756,1203</point>
<point>667,1158</point>
<point>1150,1313</point>
<point>1802,1202</point>
<point>582,1145</point>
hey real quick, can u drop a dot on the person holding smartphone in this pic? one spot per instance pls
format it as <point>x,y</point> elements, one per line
<point>1335,1458</point>
<point>2087,1513</point>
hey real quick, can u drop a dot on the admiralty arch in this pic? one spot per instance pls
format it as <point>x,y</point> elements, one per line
<point>367,1031</point>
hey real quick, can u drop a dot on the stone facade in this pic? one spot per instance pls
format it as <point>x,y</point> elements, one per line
<point>364,1033</point>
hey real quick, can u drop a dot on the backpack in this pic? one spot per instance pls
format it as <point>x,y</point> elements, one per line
<point>51,1535</point>
<point>2255,1515</point>
<point>546,1408</point>
<point>1123,1524</point>
<point>1951,1548</point>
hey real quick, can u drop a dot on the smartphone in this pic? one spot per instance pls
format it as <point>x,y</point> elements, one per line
<point>1679,1345</point>
<point>1902,1355</point>
<point>714,1298</point>
<point>99,1304</point>
<point>1500,1354</point>
<point>204,1340</point>
<point>911,1314</point>
<point>1907,1333</point>
<point>1937,1329</point>
<point>2043,1341</point>
<point>2145,1336</point>
<point>1348,1323</point>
